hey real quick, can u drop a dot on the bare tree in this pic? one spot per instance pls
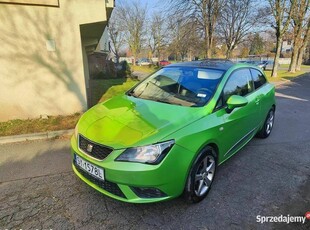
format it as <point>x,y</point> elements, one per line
<point>174,26</point>
<point>157,33</point>
<point>116,33</point>
<point>299,28</point>
<point>301,24</point>
<point>257,45</point>
<point>188,39</point>
<point>282,11</point>
<point>302,48</point>
<point>237,20</point>
<point>184,37</point>
<point>133,17</point>
<point>204,12</point>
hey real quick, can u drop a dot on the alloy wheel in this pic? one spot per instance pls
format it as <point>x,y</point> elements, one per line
<point>269,122</point>
<point>204,175</point>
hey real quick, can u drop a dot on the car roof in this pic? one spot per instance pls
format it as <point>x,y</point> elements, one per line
<point>220,64</point>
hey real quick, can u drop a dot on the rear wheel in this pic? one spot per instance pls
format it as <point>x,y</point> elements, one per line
<point>268,125</point>
<point>201,176</point>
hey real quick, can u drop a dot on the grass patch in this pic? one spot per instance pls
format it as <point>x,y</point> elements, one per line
<point>282,75</point>
<point>116,89</point>
<point>144,69</point>
<point>288,65</point>
<point>53,123</point>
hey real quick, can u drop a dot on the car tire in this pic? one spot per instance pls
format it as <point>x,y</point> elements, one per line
<point>265,131</point>
<point>201,176</point>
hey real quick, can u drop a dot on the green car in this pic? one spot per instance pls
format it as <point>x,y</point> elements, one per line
<point>167,135</point>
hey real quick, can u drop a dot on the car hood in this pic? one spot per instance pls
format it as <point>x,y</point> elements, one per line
<point>125,121</point>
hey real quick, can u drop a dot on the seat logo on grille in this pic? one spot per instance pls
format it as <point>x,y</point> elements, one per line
<point>89,148</point>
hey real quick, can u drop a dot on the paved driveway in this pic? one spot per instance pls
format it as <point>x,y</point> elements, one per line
<point>267,177</point>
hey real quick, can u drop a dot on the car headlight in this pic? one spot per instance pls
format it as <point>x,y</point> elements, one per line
<point>150,154</point>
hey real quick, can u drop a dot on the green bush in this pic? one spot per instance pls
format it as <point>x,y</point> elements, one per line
<point>101,75</point>
<point>125,70</point>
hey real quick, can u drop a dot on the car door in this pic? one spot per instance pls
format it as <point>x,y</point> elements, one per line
<point>241,124</point>
<point>259,81</point>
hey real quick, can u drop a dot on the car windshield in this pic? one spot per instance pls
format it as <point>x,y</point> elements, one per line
<point>186,86</point>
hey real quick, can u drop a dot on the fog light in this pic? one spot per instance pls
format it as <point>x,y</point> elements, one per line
<point>148,192</point>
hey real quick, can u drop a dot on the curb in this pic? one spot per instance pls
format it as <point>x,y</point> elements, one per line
<point>35,136</point>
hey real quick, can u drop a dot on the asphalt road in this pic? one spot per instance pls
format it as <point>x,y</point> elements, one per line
<point>268,177</point>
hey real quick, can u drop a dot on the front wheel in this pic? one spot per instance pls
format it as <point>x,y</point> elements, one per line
<point>201,176</point>
<point>268,125</point>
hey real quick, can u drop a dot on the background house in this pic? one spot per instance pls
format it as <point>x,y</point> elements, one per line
<point>287,46</point>
<point>43,56</point>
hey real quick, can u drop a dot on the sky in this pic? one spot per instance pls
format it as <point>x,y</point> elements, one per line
<point>152,5</point>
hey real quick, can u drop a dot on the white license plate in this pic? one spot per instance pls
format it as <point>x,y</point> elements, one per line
<point>90,168</point>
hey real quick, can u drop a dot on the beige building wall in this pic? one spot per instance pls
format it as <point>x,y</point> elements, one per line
<point>43,55</point>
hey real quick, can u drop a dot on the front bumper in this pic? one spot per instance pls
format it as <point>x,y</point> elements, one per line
<point>137,182</point>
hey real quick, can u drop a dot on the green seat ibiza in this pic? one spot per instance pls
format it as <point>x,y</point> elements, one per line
<point>167,135</point>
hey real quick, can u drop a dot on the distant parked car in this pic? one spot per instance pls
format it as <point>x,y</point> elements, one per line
<point>262,64</point>
<point>269,65</point>
<point>164,62</point>
<point>143,61</point>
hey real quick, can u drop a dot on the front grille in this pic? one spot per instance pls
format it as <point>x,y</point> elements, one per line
<point>93,149</point>
<point>148,192</point>
<point>106,185</point>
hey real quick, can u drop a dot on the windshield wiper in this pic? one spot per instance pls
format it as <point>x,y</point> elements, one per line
<point>132,94</point>
<point>159,100</point>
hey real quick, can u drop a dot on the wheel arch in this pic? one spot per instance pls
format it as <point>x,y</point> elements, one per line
<point>201,149</point>
<point>211,144</point>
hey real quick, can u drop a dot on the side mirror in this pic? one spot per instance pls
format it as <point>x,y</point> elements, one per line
<point>235,101</point>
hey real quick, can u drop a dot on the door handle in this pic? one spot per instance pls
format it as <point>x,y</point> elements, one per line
<point>257,100</point>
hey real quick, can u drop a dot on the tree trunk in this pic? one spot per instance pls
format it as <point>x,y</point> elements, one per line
<point>116,57</point>
<point>294,57</point>
<point>228,53</point>
<point>208,53</point>
<point>300,57</point>
<point>210,46</point>
<point>230,49</point>
<point>303,47</point>
<point>276,59</point>
<point>210,42</point>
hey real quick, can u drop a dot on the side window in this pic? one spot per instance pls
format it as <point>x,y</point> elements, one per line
<point>239,83</point>
<point>258,78</point>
